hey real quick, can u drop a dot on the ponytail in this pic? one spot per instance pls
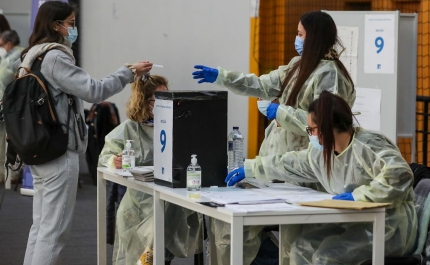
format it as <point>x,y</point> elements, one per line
<point>330,112</point>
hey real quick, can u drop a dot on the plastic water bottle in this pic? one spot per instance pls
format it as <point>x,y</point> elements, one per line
<point>235,149</point>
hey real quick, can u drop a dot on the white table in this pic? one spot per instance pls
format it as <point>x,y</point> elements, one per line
<point>238,220</point>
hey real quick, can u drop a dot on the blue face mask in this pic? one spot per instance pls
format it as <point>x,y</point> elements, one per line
<point>315,142</point>
<point>73,34</point>
<point>298,44</point>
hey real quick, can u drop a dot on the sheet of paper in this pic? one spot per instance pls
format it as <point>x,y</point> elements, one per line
<point>350,63</point>
<point>163,139</point>
<point>368,103</point>
<point>349,39</point>
<point>123,172</point>
<point>142,170</point>
<point>233,195</point>
<point>262,207</point>
<point>307,197</point>
<point>379,44</point>
<point>286,187</point>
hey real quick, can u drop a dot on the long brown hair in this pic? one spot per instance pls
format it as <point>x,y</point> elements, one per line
<point>4,24</point>
<point>330,112</point>
<point>43,31</point>
<point>138,108</point>
<point>321,37</point>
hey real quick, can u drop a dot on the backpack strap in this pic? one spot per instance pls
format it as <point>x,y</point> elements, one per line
<point>69,109</point>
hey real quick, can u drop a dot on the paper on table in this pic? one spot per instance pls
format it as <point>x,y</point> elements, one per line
<point>262,207</point>
<point>142,170</point>
<point>143,173</point>
<point>232,195</point>
<point>123,172</point>
<point>307,197</point>
<point>340,204</point>
<point>283,189</point>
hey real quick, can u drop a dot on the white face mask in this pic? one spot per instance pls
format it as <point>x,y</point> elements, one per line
<point>3,52</point>
<point>262,106</point>
<point>315,142</point>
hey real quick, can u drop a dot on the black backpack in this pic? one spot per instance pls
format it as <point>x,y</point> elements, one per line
<point>33,130</point>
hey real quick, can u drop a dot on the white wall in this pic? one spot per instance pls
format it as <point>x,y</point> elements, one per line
<point>17,12</point>
<point>177,34</point>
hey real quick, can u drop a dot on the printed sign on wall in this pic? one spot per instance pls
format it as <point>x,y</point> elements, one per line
<point>379,44</point>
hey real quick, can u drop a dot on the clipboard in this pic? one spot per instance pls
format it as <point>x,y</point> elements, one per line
<point>340,204</point>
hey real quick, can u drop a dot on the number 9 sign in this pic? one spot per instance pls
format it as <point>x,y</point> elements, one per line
<point>379,43</point>
<point>163,140</point>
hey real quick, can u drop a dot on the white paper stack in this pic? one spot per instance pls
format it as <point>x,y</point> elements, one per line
<point>145,174</point>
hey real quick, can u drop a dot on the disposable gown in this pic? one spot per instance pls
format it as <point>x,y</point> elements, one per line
<point>373,169</point>
<point>291,136</point>
<point>135,222</point>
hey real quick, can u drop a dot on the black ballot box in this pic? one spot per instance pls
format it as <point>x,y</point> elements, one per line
<point>187,123</point>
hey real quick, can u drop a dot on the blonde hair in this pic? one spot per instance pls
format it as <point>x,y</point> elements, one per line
<point>138,106</point>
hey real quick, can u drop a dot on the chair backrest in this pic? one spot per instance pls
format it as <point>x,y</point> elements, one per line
<point>422,201</point>
<point>420,172</point>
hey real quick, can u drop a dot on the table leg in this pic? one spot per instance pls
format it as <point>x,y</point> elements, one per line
<point>212,246</point>
<point>378,239</point>
<point>281,233</point>
<point>101,219</point>
<point>158,229</point>
<point>236,245</point>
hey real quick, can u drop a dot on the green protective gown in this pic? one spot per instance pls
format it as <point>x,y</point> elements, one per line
<point>134,222</point>
<point>291,136</point>
<point>373,169</point>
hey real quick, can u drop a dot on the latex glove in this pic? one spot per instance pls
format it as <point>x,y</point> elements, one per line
<point>271,111</point>
<point>235,176</point>
<point>347,196</point>
<point>205,74</point>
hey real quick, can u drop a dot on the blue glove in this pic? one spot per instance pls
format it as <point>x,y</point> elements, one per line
<point>205,74</point>
<point>271,111</point>
<point>235,176</point>
<point>347,196</point>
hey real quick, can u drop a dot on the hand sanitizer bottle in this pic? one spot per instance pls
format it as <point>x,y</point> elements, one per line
<point>126,163</point>
<point>131,154</point>
<point>194,175</point>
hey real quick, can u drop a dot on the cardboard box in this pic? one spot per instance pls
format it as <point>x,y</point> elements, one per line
<point>186,123</point>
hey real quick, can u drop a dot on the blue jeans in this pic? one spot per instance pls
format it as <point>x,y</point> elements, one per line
<point>55,186</point>
<point>268,254</point>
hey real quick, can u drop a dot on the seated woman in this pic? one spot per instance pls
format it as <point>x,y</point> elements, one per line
<point>354,164</point>
<point>134,242</point>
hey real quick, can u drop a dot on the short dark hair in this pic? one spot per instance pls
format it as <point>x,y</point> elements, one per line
<point>4,24</point>
<point>10,36</point>
<point>43,31</point>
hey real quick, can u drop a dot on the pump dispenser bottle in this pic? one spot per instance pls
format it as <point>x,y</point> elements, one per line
<point>194,175</point>
<point>131,154</point>
<point>128,159</point>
